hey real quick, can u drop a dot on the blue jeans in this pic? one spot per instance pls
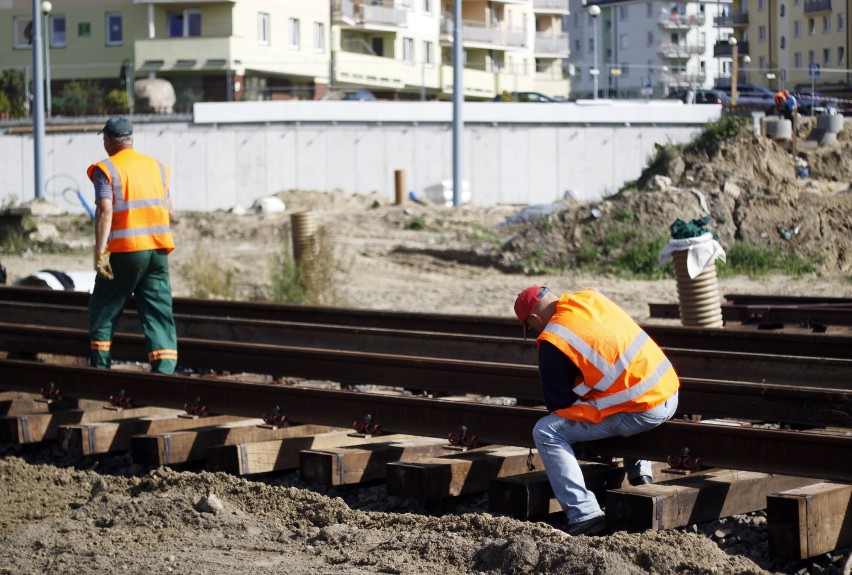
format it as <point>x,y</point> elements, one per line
<point>554,437</point>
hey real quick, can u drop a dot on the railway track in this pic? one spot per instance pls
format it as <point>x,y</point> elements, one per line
<point>806,396</point>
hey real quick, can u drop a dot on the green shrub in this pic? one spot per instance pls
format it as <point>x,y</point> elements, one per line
<point>714,132</point>
<point>116,102</point>
<point>207,279</point>
<point>72,101</point>
<point>756,261</point>
<point>310,281</point>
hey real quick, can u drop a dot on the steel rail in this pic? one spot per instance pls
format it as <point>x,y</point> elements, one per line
<point>776,369</point>
<point>770,314</point>
<point>790,404</point>
<point>814,345</point>
<point>790,453</point>
<point>749,299</point>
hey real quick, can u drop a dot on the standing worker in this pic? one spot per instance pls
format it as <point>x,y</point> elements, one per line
<point>132,242</point>
<point>601,376</point>
<point>791,107</point>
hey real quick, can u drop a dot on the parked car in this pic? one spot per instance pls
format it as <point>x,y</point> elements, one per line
<point>523,97</point>
<point>751,95</point>
<point>355,95</point>
<point>702,96</point>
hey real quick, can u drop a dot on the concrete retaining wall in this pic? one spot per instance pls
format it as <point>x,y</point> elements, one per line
<point>233,154</point>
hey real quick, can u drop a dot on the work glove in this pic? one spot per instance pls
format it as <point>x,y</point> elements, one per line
<point>102,265</point>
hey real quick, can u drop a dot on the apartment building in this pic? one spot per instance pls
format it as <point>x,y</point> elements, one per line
<point>222,50</point>
<point>645,48</point>
<point>794,43</point>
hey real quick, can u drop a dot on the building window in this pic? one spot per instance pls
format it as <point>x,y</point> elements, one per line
<point>797,59</point>
<point>625,69</point>
<point>578,47</point>
<point>319,36</point>
<point>761,63</point>
<point>408,50</point>
<point>783,11</point>
<point>115,29</point>
<point>293,27</point>
<point>826,56</point>
<point>761,33</point>
<point>184,24</point>
<point>811,26</point>
<point>761,5</point>
<point>783,42</point>
<point>263,28</point>
<point>427,6</point>
<point>622,13</point>
<point>649,12</point>
<point>57,31</point>
<point>650,39</point>
<point>428,53</point>
<point>797,28</point>
<point>840,23</point>
<point>591,45</point>
<point>810,57</point>
<point>23,32</point>
<point>624,42</point>
<point>826,23</point>
<point>841,55</point>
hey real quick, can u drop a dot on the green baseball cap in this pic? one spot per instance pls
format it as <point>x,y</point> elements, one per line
<point>117,127</point>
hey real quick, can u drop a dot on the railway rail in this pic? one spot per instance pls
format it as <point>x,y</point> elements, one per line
<point>729,339</point>
<point>785,397</point>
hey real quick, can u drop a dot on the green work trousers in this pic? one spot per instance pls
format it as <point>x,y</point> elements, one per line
<point>145,274</point>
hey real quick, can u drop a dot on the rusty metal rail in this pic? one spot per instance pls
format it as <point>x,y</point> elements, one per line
<point>816,455</point>
<point>797,404</point>
<point>813,345</point>
<point>712,364</point>
<point>817,315</point>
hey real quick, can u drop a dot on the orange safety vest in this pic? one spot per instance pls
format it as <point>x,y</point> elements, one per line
<point>140,192</point>
<point>623,369</point>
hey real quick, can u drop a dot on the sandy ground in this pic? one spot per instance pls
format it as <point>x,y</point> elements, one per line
<point>87,517</point>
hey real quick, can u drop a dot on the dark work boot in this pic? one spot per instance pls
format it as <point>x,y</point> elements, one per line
<point>642,480</point>
<point>593,526</point>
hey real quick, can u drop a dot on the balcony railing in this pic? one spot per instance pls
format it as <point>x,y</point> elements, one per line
<point>343,10</point>
<point>681,20</point>
<point>680,51</point>
<point>555,5</point>
<point>477,31</point>
<point>722,48</point>
<point>738,20</point>
<point>551,43</point>
<point>386,12</point>
<point>816,6</point>
<point>183,53</point>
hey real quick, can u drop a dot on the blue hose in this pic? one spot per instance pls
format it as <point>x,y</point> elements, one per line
<point>86,205</point>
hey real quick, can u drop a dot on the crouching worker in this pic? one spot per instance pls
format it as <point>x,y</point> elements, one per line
<point>601,376</point>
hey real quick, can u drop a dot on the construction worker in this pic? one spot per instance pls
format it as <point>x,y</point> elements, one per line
<point>601,376</point>
<point>780,102</point>
<point>790,106</point>
<point>132,242</point>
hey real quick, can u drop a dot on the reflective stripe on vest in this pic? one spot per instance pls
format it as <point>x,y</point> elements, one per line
<point>630,393</point>
<point>610,372</point>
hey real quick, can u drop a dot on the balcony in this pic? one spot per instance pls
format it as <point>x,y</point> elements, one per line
<point>817,6</point>
<point>550,6</point>
<point>553,44</point>
<point>672,51</point>
<point>476,33</point>
<point>722,49</point>
<point>374,71</point>
<point>183,54</point>
<point>681,21</point>
<point>732,20</point>
<point>477,83</point>
<point>369,14</point>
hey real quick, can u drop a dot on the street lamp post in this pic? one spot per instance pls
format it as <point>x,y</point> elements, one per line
<point>664,72</point>
<point>746,64</point>
<point>733,42</point>
<point>594,11</point>
<point>46,7</point>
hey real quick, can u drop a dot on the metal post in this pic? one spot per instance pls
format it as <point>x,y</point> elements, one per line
<point>458,99</point>
<point>595,11</point>
<point>46,7</point>
<point>734,56</point>
<point>38,102</point>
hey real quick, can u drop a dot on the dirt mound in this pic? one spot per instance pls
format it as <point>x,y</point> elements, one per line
<point>747,184</point>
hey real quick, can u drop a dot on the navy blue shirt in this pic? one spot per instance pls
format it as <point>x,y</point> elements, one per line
<point>557,374</point>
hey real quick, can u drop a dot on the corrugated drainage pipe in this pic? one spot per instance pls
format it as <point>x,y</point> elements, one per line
<point>700,302</point>
<point>304,232</point>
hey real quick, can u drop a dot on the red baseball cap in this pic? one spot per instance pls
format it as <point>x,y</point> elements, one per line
<point>526,302</point>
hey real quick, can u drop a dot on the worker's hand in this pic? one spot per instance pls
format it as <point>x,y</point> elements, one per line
<point>103,266</point>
